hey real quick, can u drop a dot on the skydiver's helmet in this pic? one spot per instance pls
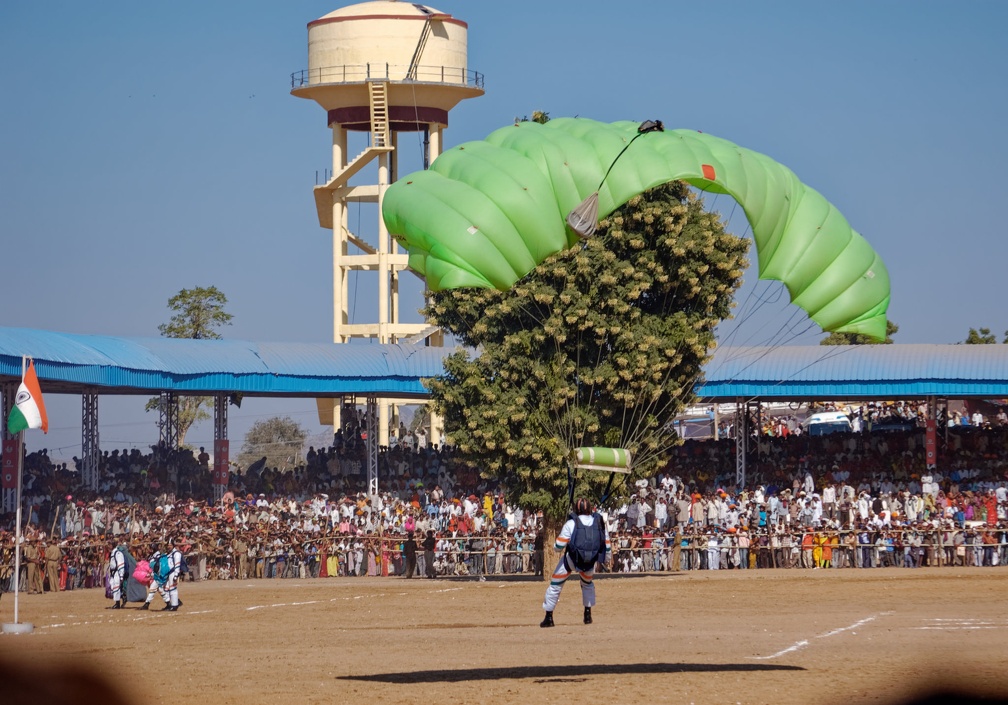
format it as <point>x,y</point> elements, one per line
<point>583,506</point>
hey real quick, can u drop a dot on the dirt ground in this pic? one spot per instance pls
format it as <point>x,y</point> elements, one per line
<point>849,636</point>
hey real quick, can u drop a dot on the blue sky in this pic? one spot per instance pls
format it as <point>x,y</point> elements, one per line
<point>146,148</point>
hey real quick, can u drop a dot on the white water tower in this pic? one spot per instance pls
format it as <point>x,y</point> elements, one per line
<point>379,69</point>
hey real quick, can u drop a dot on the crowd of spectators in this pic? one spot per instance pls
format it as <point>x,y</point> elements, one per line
<point>861,499</point>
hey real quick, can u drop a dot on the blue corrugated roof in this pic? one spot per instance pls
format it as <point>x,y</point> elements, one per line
<point>866,371</point>
<point>69,363</point>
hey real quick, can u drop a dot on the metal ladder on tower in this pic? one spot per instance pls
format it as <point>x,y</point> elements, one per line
<point>378,94</point>
<point>381,143</point>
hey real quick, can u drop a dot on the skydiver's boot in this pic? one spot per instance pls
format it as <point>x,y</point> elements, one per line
<point>547,620</point>
<point>117,605</point>
<point>587,615</point>
<point>145,606</point>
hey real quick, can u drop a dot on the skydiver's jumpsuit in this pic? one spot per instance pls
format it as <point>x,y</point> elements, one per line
<point>565,568</point>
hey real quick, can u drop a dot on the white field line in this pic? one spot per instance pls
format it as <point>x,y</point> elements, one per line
<point>143,618</point>
<point>960,627</point>
<point>954,624</point>
<point>339,599</point>
<point>805,642</point>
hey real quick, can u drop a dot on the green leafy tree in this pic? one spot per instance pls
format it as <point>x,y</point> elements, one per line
<point>278,439</point>
<point>859,338</point>
<point>196,314</point>
<point>982,337</point>
<point>600,345</point>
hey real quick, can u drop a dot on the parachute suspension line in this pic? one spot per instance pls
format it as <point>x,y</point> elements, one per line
<point>754,302</point>
<point>652,408</point>
<point>621,152</point>
<point>584,217</point>
<point>424,149</point>
<point>827,355</point>
<point>559,430</point>
<point>732,214</point>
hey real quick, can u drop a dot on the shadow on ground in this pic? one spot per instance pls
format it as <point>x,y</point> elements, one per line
<point>566,673</point>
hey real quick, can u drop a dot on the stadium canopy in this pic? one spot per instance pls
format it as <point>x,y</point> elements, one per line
<point>74,364</point>
<point>852,372</point>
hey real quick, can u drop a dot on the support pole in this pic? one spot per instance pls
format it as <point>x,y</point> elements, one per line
<point>372,444</point>
<point>220,472</point>
<point>90,448</point>
<point>741,437</point>
<point>9,489</point>
<point>17,627</point>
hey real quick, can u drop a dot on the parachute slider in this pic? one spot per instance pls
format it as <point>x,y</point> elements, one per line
<point>605,459</point>
<point>584,218</point>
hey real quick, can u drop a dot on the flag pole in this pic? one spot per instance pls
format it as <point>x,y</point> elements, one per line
<point>17,627</point>
<point>19,535</point>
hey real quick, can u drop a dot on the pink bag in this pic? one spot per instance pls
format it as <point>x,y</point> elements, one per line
<point>143,573</point>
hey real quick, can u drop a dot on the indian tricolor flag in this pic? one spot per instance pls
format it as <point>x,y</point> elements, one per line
<point>29,409</point>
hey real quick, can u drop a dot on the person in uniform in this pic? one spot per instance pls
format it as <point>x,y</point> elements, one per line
<point>33,561</point>
<point>240,548</point>
<point>53,558</point>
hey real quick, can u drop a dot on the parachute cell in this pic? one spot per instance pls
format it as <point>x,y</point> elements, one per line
<point>486,213</point>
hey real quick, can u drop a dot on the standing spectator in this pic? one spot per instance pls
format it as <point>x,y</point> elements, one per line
<point>429,543</point>
<point>538,549</point>
<point>410,551</point>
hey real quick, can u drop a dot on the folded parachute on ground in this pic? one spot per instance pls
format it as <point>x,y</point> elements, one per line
<point>486,213</point>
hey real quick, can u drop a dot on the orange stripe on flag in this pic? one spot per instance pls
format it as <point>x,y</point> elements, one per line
<point>31,381</point>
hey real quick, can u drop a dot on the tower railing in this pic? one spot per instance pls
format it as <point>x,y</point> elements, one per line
<point>359,73</point>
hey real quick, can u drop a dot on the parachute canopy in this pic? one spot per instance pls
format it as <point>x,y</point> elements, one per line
<point>486,213</point>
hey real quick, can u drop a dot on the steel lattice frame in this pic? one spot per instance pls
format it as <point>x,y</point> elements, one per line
<point>220,434</point>
<point>372,445</point>
<point>168,420</point>
<point>90,448</point>
<point>9,393</point>
<point>741,434</point>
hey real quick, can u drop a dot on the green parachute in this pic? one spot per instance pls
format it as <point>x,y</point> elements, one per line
<point>486,213</point>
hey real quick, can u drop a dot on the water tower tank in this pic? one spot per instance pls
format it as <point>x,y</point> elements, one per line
<point>382,68</point>
<point>419,51</point>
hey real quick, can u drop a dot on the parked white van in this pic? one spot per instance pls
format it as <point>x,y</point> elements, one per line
<point>826,422</point>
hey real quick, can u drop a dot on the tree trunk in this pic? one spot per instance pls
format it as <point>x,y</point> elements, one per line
<point>551,529</point>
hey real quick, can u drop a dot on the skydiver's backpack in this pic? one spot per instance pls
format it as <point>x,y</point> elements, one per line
<point>587,543</point>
